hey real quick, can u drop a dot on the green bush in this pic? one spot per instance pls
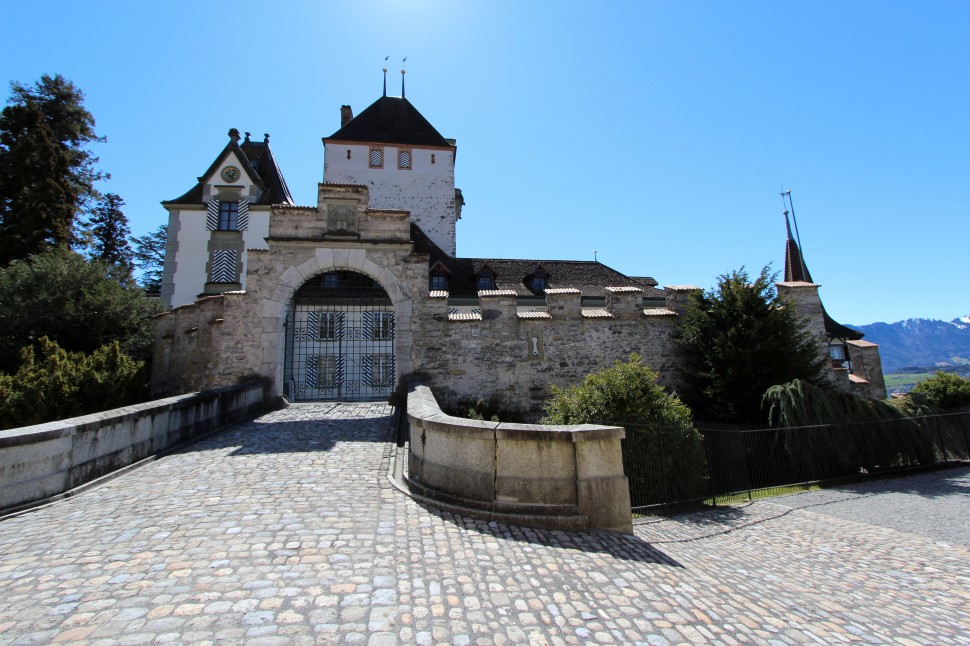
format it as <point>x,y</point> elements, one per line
<point>663,454</point>
<point>944,390</point>
<point>58,384</point>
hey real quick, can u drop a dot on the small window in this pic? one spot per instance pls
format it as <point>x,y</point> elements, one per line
<point>381,331</point>
<point>228,216</point>
<point>330,280</point>
<point>404,159</point>
<point>486,281</point>
<point>382,370</point>
<point>326,371</point>
<point>328,326</point>
<point>432,158</point>
<point>348,153</point>
<point>837,352</point>
<point>377,158</point>
<point>439,282</point>
<point>538,283</point>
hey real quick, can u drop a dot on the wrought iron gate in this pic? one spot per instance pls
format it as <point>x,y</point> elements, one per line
<point>340,340</point>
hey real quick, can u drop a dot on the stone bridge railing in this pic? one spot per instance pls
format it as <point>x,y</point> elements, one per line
<point>46,461</point>
<point>567,477</point>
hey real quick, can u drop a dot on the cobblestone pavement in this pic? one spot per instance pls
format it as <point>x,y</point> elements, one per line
<point>286,530</point>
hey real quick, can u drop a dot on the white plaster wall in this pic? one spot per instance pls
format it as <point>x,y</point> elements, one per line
<point>192,254</point>
<point>426,190</point>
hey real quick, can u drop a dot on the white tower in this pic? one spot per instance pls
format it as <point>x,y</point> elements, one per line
<point>405,163</point>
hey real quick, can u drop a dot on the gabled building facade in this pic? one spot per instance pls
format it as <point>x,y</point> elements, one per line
<point>339,300</point>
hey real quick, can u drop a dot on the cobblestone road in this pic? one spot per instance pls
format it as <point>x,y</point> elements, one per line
<point>286,530</point>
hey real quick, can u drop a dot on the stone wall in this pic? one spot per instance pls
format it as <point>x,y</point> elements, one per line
<point>46,460</point>
<point>514,357</point>
<point>566,477</point>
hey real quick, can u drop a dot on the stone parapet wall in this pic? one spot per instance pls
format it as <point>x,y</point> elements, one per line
<point>525,473</point>
<point>46,460</point>
<point>514,357</point>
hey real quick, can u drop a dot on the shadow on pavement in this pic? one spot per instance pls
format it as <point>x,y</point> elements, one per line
<point>620,546</point>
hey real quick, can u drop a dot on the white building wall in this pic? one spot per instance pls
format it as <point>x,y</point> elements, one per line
<point>191,254</point>
<point>427,189</point>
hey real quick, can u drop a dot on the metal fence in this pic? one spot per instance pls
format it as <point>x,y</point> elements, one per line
<point>674,468</point>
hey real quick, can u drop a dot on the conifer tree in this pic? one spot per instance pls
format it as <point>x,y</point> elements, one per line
<point>47,175</point>
<point>110,232</point>
<point>738,340</point>
<point>149,257</point>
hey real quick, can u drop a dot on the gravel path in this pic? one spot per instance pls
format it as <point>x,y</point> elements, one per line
<point>935,505</point>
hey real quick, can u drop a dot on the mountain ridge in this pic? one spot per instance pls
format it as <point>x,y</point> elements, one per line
<point>920,342</point>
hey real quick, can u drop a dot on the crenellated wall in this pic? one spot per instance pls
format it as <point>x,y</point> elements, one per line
<point>515,356</point>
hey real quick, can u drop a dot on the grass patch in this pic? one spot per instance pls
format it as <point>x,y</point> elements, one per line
<point>904,381</point>
<point>761,494</point>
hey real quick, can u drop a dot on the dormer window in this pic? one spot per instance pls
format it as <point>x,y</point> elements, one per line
<point>404,159</point>
<point>439,282</point>
<point>485,282</point>
<point>228,216</point>
<point>538,281</point>
<point>376,157</point>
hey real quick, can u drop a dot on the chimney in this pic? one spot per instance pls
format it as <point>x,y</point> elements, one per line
<point>346,114</point>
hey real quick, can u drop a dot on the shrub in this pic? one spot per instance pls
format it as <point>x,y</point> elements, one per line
<point>58,384</point>
<point>663,454</point>
<point>944,390</point>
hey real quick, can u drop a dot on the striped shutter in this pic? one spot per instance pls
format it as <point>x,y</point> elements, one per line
<point>368,324</point>
<point>224,266</point>
<point>212,215</point>
<point>391,323</point>
<point>242,220</point>
<point>312,363</point>
<point>313,325</point>
<point>340,325</point>
<point>339,371</point>
<point>366,369</point>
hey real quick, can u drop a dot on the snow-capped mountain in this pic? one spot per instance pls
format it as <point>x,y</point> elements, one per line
<point>920,342</point>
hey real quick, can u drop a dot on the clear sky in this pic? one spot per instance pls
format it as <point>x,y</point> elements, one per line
<point>657,133</point>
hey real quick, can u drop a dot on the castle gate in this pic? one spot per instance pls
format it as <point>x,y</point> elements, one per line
<point>339,340</point>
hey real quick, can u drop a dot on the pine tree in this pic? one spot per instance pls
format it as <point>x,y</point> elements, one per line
<point>149,257</point>
<point>737,341</point>
<point>110,232</point>
<point>47,175</point>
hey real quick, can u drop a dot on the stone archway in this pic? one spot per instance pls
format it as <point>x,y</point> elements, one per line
<point>339,346</point>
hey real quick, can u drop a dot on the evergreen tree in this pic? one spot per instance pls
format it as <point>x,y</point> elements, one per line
<point>79,304</point>
<point>110,232</point>
<point>47,175</point>
<point>738,340</point>
<point>149,256</point>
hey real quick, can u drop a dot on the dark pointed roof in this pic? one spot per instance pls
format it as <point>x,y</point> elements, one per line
<point>797,271</point>
<point>258,164</point>
<point>588,276</point>
<point>391,120</point>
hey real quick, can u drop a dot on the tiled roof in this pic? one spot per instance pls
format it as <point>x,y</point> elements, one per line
<point>797,275</point>
<point>390,120</point>
<point>862,344</point>
<point>564,290</point>
<point>258,164</point>
<point>464,316</point>
<point>658,311</point>
<point>682,288</point>
<point>597,314</point>
<point>534,315</point>
<point>589,277</point>
<point>857,380</point>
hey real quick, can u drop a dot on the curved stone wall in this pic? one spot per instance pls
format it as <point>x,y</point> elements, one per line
<point>565,476</point>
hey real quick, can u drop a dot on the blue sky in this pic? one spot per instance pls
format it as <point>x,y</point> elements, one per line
<point>657,133</point>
